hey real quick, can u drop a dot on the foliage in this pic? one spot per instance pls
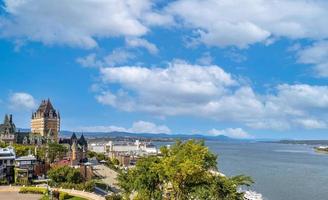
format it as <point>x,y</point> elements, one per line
<point>3,181</point>
<point>187,170</point>
<point>65,174</point>
<point>115,161</point>
<point>3,144</point>
<point>22,150</point>
<point>33,190</point>
<point>64,195</point>
<point>114,197</point>
<point>56,151</point>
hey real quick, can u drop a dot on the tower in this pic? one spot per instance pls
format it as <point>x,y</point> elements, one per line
<point>46,121</point>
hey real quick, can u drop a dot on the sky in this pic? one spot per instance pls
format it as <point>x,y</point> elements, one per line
<point>240,68</point>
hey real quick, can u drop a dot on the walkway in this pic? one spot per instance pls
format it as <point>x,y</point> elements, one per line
<point>6,190</point>
<point>107,175</point>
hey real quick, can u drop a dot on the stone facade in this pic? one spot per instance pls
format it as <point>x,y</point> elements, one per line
<point>8,130</point>
<point>46,121</point>
<point>77,148</point>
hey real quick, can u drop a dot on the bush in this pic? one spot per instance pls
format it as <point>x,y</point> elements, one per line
<point>65,174</point>
<point>114,197</point>
<point>3,182</point>
<point>64,195</point>
<point>33,190</point>
<point>88,186</point>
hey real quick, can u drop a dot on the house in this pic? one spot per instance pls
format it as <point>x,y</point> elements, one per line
<point>8,130</point>
<point>25,169</point>
<point>7,164</point>
<point>77,148</point>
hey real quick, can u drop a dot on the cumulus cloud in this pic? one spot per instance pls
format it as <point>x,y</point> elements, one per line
<point>21,100</point>
<point>77,22</point>
<point>316,55</point>
<point>116,57</point>
<point>137,127</point>
<point>226,23</point>
<point>210,92</point>
<point>89,61</point>
<point>231,132</point>
<point>138,42</point>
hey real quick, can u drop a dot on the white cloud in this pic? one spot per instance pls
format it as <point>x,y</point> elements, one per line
<point>21,100</point>
<point>210,92</point>
<point>244,22</point>
<point>206,59</point>
<point>118,56</point>
<point>230,132</point>
<point>138,42</point>
<point>89,61</point>
<point>137,127</point>
<point>316,55</point>
<point>148,127</point>
<point>77,22</point>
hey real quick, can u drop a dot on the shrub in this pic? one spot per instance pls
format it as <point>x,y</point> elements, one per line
<point>3,182</point>
<point>64,195</point>
<point>114,197</point>
<point>33,190</point>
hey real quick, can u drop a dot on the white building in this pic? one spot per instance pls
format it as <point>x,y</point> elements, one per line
<point>136,147</point>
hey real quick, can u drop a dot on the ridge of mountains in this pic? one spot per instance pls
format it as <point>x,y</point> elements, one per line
<point>119,134</point>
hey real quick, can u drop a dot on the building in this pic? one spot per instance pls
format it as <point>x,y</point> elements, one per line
<point>7,164</point>
<point>8,130</point>
<point>77,148</point>
<point>46,121</point>
<point>25,169</point>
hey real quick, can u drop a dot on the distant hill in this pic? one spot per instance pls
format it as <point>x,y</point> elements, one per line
<point>152,136</point>
<point>116,134</point>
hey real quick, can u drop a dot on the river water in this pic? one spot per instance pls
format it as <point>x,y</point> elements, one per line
<point>280,171</point>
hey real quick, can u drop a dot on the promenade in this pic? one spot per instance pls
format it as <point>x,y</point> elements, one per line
<point>107,175</point>
<point>11,193</point>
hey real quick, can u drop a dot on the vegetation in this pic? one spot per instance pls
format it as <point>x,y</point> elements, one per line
<point>69,178</point>
<point>187,170</point>
<point>55,152</point>
<point>23,150</point>
<point>114,197</point>
<point>111,163</point>
<point>33,190</point>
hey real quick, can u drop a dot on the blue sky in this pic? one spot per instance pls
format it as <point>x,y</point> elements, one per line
<point>210,67</point>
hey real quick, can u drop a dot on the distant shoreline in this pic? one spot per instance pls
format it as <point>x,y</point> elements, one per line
<point>304,142</point>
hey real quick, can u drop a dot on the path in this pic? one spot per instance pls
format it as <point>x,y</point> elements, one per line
<point>7,190</point>
<point>107,175</point>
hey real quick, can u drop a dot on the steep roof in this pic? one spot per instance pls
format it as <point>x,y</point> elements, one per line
<point>8,125</point>
<point>82,140</point>
<point>45,107</point>
<point>73,137</point>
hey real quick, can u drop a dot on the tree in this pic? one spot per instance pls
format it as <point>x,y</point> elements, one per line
<point>56,151</point>
<point>65,174</point>
<point>187,170</point>
<point>22,150</point>
<point>126,183</point>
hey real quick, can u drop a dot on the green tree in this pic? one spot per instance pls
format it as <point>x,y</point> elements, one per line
<point>22,150</point>
<point>56,151</point>
<point>65,175</point>
<point>185,171</point>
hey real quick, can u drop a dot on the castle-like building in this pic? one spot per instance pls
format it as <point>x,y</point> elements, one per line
<point>77,148</point>
<point>46,121</point>
<point>45,128</point>
<point>8,130</point>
